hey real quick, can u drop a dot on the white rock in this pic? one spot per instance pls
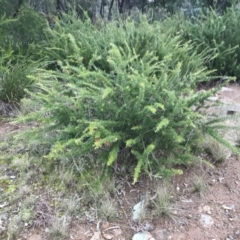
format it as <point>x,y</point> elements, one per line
<point>213,98</point>
<point>137,210</point>
<point>206,220</point>
<point>143,236</point>
<point>226,89</point>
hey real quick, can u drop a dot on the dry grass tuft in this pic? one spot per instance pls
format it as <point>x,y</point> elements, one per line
<point>199,184</point>
<point>107,209</point>
<point>162,201</point>
<point>218,152</point>
<point>59,228</point>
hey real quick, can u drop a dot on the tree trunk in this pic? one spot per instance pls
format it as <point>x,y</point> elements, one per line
<point>94,11</point>
<point>110,10</point>
<point>20,3</point>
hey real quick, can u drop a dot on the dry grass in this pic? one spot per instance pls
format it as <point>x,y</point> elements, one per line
<point>59,228</point>
<point>71,204</point>
<point>218,152</point>
<point>199,184</point>
<point>14,227</point>
<point>162,201</point>
<point>107,209</point>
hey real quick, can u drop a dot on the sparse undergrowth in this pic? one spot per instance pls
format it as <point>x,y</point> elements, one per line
<point>52,200</point>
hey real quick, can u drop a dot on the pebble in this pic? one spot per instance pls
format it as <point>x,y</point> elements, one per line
<point>207,209</point>
<point>206,220</point>
<point>175,212</point>
<point>230,237</point>
<point>143,236</point>
<point>35,237</point>
<point>162,234</point>
<point>226,89</point>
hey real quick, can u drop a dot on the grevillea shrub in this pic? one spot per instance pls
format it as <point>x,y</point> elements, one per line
<point>219,33</point>
<point>127,98</point>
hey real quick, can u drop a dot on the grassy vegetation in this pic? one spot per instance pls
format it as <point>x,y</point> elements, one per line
<point>199,184</point>
<point>99,107</point>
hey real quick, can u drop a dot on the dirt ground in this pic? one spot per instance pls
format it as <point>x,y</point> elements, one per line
<point>211,214</point>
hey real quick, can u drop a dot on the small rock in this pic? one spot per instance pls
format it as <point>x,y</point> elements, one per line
<point>213,98</point>
<point>137,210</point>
<point>230,237</point>
<point>35,237</point>
<point>186,200</point>
<point>175,212</point>
<point>148,226</point>
<point>143,236</point>
<point>108,236</point>
<point>207,209</point>
<point>220,179</point>
<point>162,234</point>
<point>226,89</point>
<point>226,207</point>
<point>206,220</point>
<point>112,233</point>
<point>232,206</point>
<point>3,205</point>
<point>47,230</point>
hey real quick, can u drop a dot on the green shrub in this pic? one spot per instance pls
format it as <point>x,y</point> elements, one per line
<point>78,40</point>
<point>218,33</point>
<point>13,77</point>
<point>137,99</point>
<point>17,38</point>
<point>21,31</point>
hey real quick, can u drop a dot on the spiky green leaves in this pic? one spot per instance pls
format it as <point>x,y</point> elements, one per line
<point>125,96</point>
